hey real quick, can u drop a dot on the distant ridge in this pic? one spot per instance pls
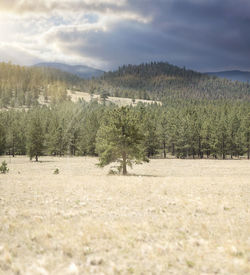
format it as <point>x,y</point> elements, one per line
<point>79,70</point>
<point>162,81</point>
<point>233,75</point>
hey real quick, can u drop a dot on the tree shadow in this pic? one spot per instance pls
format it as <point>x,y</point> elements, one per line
<point>144,175</point>
<point>42,161</point>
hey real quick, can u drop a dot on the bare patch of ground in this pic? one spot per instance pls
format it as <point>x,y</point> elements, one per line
<point>169,217</point>
<point>120,101</point>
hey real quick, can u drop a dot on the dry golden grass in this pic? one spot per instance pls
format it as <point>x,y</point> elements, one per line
<point>120,101</point>
<point>170,217</point>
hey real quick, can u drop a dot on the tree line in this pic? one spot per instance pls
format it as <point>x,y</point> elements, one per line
<point>185,129</point>
<point>23,86</point>
<point>162,81</point>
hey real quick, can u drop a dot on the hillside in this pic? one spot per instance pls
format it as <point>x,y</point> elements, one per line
<point>190,122</point>
<point>22,86</point>
<point>162,81</point>
<point>25,86</point>
<point>233,75</point>
<point>79,70</point>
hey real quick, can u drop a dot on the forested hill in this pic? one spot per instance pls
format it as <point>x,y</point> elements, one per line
<point>200,115</point>
<point>161,80</point>
<point>22,86</point>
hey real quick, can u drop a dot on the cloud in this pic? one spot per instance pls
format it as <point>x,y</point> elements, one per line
<point>52,7</point>
<point>45,6</point>
<point>200,34</point>
<point>17,55</point>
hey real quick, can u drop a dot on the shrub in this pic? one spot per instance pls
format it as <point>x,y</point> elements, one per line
<point>3,168</point>
<point>113,172</point>
<point>56,172</point>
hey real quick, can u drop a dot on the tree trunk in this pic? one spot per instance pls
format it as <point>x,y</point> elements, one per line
<point>13,149</point>
<point>164,149</point>
<point>223,148</point>
<point>248,146</point>
<point>173,149</point>
<point>124,164</point>
<point>199,150</point>
<point>36,157</point>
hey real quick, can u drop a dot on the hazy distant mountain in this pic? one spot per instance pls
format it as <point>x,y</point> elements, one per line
<point>79,70</point>
<point>233,75</point>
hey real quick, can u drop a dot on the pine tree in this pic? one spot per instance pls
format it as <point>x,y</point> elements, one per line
<point>2,139</point>
<point>246,127</point>
<point>35,136</point>
<point>151,136</point>
<point>56,140</point>
<point>163,132</point>
<point>220,135</point>
<point>120,139</point>
<point>89,127</point>
<point>104,96</point>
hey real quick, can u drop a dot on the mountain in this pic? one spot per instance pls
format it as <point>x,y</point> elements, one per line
<point>163,81</point>
<point>233,75</point>
<point>24,86</point>
<point>79,70</point>
<point>158,81</point>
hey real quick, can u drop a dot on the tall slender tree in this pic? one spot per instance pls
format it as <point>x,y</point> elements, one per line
<point>35,136</point>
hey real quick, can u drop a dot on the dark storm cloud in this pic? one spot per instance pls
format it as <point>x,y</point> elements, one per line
<point>204,35</point>
<point>199,34</point>
<point>212,33</point>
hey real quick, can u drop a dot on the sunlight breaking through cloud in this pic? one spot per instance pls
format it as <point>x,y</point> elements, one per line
<point>202,35</point>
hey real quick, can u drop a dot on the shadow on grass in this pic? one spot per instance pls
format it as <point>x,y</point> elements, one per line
<point>145,175</point>
<point>138,175</point>
<point>43,161</point>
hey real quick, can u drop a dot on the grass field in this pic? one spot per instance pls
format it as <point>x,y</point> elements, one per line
<point>119,101</point>
<point>169,217</point>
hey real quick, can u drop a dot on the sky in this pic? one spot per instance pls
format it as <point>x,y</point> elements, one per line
<point>204,35</point>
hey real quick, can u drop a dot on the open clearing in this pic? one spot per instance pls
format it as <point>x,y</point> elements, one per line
<point>170,217</point>
<point>120,101</point>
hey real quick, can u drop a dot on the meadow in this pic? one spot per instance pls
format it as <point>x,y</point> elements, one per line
<point>166,217</point>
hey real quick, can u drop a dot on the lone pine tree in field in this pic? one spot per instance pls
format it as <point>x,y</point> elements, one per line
<point>120,138</point>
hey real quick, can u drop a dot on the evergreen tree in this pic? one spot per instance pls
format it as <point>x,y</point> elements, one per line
<point>151,140</point>
<point>56,140</point>
<point>120,139</point>
<point>246,130</point>
<point>2,139</point>
<point>104,96</point>
<point>90,123</point>
<point>163,131</point>
<point>35,136</point>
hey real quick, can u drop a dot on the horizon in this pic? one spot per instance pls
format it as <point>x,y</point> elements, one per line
<point>114,69</point>
<point>204,36</point>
